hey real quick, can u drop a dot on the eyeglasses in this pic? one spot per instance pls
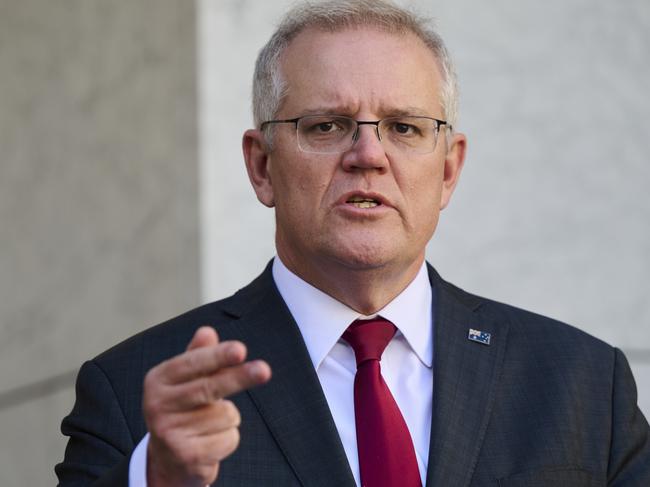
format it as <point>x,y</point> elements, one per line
<point>331,134</point>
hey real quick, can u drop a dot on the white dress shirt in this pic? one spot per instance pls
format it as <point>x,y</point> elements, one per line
<point>406,364</point>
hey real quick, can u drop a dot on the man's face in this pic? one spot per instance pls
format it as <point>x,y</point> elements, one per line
<point>365,74</point>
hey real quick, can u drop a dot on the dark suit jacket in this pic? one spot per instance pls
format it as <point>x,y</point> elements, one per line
<point>543,405</point>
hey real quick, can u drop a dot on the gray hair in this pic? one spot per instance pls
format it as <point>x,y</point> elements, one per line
<point>269,86</point>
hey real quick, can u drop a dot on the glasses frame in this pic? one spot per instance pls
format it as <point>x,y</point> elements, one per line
<point>358,123</point>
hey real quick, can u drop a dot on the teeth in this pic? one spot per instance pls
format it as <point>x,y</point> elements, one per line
<point>360,202</point>
<point>364,204</point>
<point>359,199</point>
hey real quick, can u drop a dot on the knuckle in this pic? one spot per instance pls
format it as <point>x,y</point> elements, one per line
<point>190,360</point>
<point>231,412</point>
<point>168,437</point>
<point>189,457</point>
<point>153,390</point>
<point>204,392</point>
<point>229,442</point>
<point>152,404</point>
<point>150,380</point>
<point>191,452</point>
<point>194,456</point>
<point>234,438</point>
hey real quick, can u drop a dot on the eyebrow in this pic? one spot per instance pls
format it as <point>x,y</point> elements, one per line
<point>345,110</point>
<point>326,110</point>
<point>402,112</point>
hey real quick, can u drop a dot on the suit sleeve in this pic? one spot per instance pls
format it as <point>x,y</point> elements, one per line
<point>100,443</point>
<point>629,461</point>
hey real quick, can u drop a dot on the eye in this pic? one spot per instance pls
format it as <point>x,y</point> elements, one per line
<point>320,126</point>
<point>324,127</point>
<point>406,127</point>
<point>403,128</point>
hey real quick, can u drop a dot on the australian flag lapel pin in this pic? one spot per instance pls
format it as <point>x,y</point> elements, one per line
<point>479,336</point>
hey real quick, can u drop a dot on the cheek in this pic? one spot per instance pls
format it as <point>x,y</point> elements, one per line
<point>424,199</point>
<point>300,190</point>
<point>307,181</point>
<point>426,187</point>
<point>432,185</point>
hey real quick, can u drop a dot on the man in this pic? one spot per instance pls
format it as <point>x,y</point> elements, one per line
<point>355,148</point>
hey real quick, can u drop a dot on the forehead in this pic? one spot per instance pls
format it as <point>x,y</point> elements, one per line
<point>360,69</point>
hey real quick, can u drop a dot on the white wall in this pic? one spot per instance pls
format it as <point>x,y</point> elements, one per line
<point>552,212</point>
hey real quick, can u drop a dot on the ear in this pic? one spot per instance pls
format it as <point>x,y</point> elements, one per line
<point>454,161</point>
<point>257,158</point>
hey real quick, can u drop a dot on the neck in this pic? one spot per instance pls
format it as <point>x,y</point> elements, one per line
<point>364,289</point>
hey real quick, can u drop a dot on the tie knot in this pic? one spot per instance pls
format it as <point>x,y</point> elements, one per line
<point>369,338</point>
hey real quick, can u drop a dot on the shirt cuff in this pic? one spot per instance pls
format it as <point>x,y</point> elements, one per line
<point>138,464</point>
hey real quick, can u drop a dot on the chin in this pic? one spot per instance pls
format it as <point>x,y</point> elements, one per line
<point>363,256</point>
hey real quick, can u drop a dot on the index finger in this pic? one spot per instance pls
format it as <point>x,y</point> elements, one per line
<point>202,361</point>
<point>203,337</point>
<point>226,382</point>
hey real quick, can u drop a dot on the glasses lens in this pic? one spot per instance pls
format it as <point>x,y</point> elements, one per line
<point>325,133</point>
<point>409,134</point>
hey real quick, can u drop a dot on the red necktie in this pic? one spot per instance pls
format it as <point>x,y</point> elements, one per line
<point>386,453</point>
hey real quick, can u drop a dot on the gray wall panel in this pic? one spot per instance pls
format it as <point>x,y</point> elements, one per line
<point>31,441</point>
<point>98,196</point>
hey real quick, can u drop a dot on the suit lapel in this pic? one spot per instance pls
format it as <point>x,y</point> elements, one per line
<point>292,404</point>
<point>465,379</point>
<point>295,409</point>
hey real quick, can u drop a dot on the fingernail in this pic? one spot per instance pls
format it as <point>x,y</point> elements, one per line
<point>234,352</point>
<point>256,370</point>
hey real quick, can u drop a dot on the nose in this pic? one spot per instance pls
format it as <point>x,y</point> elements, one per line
<point>367,151</point>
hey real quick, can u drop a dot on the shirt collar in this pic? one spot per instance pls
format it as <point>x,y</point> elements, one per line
<point>322,319</point>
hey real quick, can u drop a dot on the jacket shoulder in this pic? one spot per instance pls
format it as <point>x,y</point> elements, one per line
<point>528,330</point>
<point>163,340</point>
<point>160,342</point>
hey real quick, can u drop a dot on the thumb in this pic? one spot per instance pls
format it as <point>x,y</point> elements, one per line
<point>205,336</point>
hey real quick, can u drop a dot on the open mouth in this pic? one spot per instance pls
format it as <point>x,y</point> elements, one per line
<point>360,202</point>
